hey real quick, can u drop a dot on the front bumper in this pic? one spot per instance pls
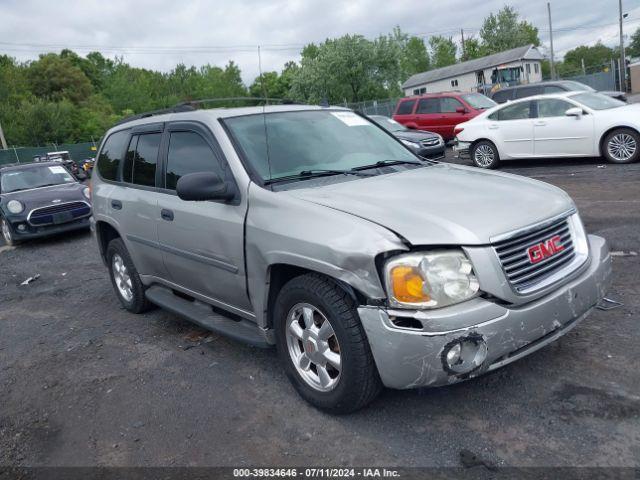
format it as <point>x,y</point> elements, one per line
<point>409,358</point>
<point>32,232</point>
<point>432,153</point>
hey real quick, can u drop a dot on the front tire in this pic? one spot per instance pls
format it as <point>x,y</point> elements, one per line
<point>484,154</point>
<point>125,279</point>
<point>7,233</point>
<point>323,346</point>
<point>622,145</point>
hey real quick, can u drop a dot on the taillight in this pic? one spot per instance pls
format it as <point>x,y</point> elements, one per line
<point>457,130</point>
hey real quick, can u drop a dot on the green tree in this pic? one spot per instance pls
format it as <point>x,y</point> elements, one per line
<point>54,77</point>
<point>633,50</point>
<point>473,48</point>
<point>596,57</point>
<point>505,30</point>
<point>443,51</point>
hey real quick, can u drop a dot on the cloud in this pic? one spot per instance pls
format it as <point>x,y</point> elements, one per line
<point>159,34</point>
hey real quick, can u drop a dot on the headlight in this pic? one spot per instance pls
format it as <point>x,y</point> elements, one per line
<point>430,279</point>
<point>440,139</point>
<point>87,193</point>
<point>411,144</point>
<point>14,206</point>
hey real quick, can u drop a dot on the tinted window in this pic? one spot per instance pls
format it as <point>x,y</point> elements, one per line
<point>597,101</point>
<point>111,154</point>
<point>189,153</point>
<point>428,105</point>
<point>552,107</point>
<point>449,105</point>
<point>127,165</point>
<point>552,89</point>
<point>405,108</point>
<point>145,159</point>
<point>502,96</point>
<point>527,91</point>
<point>517,111</point>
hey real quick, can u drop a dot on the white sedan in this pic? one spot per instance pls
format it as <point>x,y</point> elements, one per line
<point>570,124</point>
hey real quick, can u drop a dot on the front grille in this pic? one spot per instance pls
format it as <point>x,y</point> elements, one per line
<point>52,213</point>
<point>431,142</point>
<point>514,257</point>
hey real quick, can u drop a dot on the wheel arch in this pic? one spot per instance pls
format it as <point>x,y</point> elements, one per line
<point>105,232</point>
<point>485,139</point>
<point>608,131</point>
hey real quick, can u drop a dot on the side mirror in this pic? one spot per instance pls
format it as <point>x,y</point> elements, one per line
<point>204,186</point>
<point>461,110</point>
<point>574,112</point>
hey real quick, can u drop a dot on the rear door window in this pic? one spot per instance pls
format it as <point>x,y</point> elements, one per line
<point>189,153</point>
<point>145,159</point>
<point>406,108</point>
<point>111,155</point>
<point>449,105</point>
<point>428,105</point>
<point>528,91</point>
<point>517,111</point>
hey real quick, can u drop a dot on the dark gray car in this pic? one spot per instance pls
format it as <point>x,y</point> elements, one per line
<point>313,230</point>
<point>422,143</point>
<point>40,199</point>
<point>523,91</point>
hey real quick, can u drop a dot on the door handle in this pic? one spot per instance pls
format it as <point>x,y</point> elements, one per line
<point>540,123</point>
<point>117,204</point>
<point>166,215</point>
<point>493,127</point>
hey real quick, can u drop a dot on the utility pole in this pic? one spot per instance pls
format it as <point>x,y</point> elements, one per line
<point>553,67</point>
<point>584,70</point>
<point>623,66</point>
<point>464,53</point>
<point>3,141</point>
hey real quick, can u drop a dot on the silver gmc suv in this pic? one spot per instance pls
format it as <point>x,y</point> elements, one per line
<point>314,230</point>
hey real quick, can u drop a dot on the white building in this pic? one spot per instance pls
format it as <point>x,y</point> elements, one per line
<point>515,66</point>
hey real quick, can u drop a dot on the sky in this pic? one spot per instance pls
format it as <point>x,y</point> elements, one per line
<point>159,34</point>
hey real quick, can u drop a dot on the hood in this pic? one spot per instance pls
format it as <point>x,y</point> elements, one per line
<point>415,136</point>
<point>41,197</point>
<point>444,204</point>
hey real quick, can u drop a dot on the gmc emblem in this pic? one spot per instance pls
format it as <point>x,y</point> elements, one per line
<point>546,249</point>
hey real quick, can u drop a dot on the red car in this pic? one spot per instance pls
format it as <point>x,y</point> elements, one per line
<point>440,112</point>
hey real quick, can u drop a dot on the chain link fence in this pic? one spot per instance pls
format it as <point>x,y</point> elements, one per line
<point>375,107</point>
<point>77,151</point>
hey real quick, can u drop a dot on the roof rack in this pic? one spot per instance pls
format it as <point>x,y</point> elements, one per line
<point>191,105</point>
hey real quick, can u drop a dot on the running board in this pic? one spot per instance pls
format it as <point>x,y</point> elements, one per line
<point>201,314</point>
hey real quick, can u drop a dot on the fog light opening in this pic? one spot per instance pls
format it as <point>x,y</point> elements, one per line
<point>22,227</point>
<point>464,355</point>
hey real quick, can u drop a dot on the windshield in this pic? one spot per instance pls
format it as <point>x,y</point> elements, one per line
<point>577,86</point>
<point>479,101</point>
<point>34,177</point>
<point>597,101</point>
<point>389,124</point>
<point>312,140</point>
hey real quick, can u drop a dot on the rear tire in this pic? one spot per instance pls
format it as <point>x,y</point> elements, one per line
<point>621,145</point>
<point>317,327</point>
<point>125,279</point>
<point>484,154</point>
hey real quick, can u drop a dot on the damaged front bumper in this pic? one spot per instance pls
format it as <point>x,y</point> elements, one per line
<point>416,357</point>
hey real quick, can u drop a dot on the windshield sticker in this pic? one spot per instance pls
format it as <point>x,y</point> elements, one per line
<point>57,169</point>
<point>350,118</point>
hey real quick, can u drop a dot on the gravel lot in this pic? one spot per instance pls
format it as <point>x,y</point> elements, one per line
<point>83,382</point>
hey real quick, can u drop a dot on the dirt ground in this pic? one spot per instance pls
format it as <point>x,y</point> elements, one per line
<point>85,383</point>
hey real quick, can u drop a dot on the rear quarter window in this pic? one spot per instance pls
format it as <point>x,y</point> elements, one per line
<point>406,107</point>
<point>111,155</point>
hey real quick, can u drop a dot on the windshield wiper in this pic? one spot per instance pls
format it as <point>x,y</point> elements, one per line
<point>305,174</point>
<point>383,163</point>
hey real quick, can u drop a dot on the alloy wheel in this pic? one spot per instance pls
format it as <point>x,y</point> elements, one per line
<point>313,347</point>
<point>622,147</point>
<point>484,155</point>
<point>122,278</point>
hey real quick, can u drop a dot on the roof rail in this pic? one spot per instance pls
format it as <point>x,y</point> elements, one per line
<point>177,109</point>
<point>191,105</point>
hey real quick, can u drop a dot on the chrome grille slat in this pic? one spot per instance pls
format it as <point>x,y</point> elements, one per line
<point>517,244</point>
<point>509,265</point>
<point>43,216</point>
<point>514,257</point>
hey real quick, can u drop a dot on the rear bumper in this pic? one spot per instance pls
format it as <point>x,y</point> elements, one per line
<point>461,149</point>
<point>408,358</point>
